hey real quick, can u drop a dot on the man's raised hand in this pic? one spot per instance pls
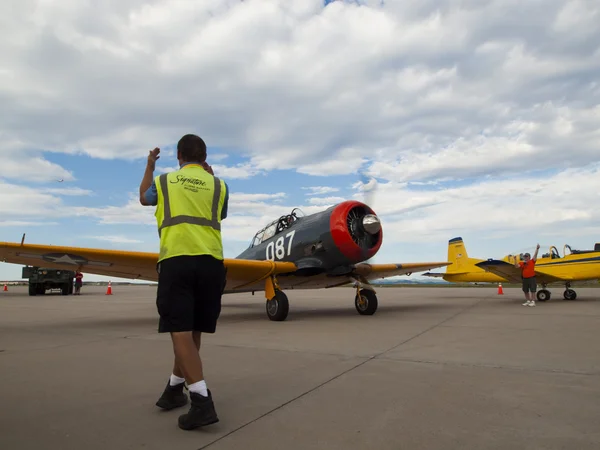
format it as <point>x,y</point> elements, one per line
<point>153,157</point>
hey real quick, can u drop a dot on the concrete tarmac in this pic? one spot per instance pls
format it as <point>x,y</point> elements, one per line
<point>434,368</point>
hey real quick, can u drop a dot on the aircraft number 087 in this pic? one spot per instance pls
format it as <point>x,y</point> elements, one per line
<point>276,249</point>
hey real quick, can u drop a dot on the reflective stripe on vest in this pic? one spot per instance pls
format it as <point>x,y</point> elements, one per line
<point>169,221</point>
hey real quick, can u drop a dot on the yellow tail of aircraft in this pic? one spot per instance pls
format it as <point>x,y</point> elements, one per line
<point>550,268</point>
<point>462,268</point>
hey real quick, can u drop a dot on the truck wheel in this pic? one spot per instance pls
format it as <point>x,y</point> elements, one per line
<point>65,289</point>
<point>32,289</point>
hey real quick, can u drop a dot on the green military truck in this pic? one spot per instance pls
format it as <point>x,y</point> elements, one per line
<point>42,279</point>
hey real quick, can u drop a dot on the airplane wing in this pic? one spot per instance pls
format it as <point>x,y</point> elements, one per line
<point>512,274</point>
<point>376,271</point>
<point>241,273</point>
<point>363,272</point>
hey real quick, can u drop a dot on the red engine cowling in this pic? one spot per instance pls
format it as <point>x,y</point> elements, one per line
<point>356,230</point>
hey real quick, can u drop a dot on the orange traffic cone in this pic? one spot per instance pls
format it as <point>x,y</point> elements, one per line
<point>500,291</point>
<point>5,287</point>
<point>109,289</point>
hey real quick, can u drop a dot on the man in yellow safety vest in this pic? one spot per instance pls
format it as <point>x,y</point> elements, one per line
<point>190,205</point>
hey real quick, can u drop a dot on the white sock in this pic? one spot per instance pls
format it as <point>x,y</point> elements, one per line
<point>199,388</point>
<point>176,380</point>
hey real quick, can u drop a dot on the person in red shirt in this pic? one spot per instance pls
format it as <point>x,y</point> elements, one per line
<point>78,282</point>
<point>527,266</point>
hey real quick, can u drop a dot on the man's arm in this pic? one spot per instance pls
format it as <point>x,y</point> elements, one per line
<point>536,252</point>
<point>151,196</point>
<point>517,264</point>
<point>147,181</point>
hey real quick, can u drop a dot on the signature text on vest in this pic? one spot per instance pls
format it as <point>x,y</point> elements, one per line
<point>190,183</point>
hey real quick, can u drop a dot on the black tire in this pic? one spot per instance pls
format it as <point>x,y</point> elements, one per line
<point>368,306</point>
<point>278,307</point>
<point>32,289</point>
<point>543,295</point>
<point>570,294</point>
<point>65,289</point>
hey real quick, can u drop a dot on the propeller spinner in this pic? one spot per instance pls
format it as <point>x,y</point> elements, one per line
<point>371,224</point>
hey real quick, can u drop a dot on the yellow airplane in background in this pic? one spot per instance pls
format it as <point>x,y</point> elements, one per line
<point>550,268</point>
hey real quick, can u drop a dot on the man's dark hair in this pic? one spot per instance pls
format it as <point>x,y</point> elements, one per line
<point>192,148</point>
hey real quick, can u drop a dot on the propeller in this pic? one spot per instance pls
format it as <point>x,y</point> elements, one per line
<point>369,186</point>
<point>370,223</point>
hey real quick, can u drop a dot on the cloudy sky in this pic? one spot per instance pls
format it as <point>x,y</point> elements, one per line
<point>477,118</point>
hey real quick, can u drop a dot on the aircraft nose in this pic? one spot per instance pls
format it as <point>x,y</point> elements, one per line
<point>371,224</point>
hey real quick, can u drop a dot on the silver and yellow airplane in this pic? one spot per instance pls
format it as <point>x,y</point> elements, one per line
<point>550,268</point>
<point>326,249</point>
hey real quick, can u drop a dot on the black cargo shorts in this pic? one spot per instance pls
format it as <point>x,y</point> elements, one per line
<point>189,293</point>
<point>529,284</point>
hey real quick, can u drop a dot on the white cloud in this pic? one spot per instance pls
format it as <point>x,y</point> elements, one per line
<point>217,157</point>
<point>33,168</point>
<point>317,90</point>
<point>320,190</point>
<point>130,213</point>
<point>548,205</point>
<point>240,197</point>
<point>326,201</point>
<point>166,169</point>
<point>18,202</point>
<point>241,171</point>
<point>75,191</point>
<point>21,223</point>
<point>117,239</point>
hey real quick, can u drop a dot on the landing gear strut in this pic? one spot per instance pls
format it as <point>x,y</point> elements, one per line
<point>277,305</point>
<point>365,301</point>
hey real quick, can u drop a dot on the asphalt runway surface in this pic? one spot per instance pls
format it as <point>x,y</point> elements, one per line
<point>434,368</point>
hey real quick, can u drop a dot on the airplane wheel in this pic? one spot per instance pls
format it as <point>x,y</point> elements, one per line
<point>366,305</point>
<point>278,307</point>
<point>543,295</point>
<point>570,294</point>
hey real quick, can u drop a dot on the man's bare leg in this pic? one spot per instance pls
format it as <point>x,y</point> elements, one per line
<point>187,357</point>
<point>176,369</point>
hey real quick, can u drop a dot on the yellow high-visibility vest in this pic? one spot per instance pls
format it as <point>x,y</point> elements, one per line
<point>188,212</point>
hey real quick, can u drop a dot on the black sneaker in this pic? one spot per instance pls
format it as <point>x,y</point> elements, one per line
<point>201,413</point>
<point>172,397</point>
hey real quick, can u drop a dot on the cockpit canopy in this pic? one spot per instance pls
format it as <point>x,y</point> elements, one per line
<point>277,226</point>
<point>554,252</point>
